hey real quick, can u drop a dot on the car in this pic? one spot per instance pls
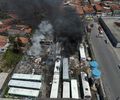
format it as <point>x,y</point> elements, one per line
<point>106,41</point>
<point>99,35</point>
<point>118,65</point>
<point>100,30</point>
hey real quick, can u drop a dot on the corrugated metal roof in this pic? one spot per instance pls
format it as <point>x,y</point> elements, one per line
<point>24,84</point>
<point>66,90</point>
<point>65,69</point>
<point>23,92</point>
<point>27,77</point>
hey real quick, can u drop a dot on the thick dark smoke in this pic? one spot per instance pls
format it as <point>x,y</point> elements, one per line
<point>31,11</point>
<point>66,23</point>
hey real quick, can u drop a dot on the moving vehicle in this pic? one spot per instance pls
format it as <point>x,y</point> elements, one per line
<point>106,41</point>
<point>99,35</point>
<point>100,30</point>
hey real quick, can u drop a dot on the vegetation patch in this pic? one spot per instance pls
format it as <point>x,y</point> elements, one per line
<point>11,58</point>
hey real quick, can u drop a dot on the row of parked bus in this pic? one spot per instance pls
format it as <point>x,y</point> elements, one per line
<point>56,79</point>
<point>70,87</point>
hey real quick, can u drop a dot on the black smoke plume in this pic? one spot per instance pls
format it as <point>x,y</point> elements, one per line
<point>66,22</point>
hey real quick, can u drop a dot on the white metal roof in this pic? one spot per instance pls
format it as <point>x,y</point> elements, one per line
<point>25,84</point>
<point>23,92</point>
<point>82,52</point>
<point>85,84</point>
<point>74,89</point>
<point>66,90</point>
<point>55,87</point>
<point>27,77</point>
<point>3,77</point>
<point>65,69</point>
<point>57,66</point>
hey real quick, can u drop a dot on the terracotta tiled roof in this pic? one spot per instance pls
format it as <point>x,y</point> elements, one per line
<point>115,7</point>
<point>79,10</point>
<point>88,9</point>
<point>23,40</point>
<point>98,7</point>
<point>8,21</point>
<point>28,30</point>
<point>3,41</point>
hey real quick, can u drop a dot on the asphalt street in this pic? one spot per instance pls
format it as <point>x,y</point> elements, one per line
<point>108,62</point>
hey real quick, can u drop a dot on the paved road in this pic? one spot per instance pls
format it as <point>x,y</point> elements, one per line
<point>108,61</point>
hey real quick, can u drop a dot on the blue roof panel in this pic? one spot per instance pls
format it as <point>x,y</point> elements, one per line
<point>96,73</point>
<point>94,64</point>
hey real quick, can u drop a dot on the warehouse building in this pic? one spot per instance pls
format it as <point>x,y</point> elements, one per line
<point>111,27</point>
<point>28,85</point>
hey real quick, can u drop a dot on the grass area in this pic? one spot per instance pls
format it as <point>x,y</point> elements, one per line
<point>11,58</point>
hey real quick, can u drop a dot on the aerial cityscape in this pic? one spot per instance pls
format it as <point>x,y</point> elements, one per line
<point>60,49</point>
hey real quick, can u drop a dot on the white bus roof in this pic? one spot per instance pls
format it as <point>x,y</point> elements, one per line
<point>57,66</point>
<point>82,52</point>
<point>55,87</point>
<point>66,90</point>
<point>23,92</point>
<point>85,84</point>
<point>24,84</point>
<point>65,69</point>
<point>74,89</point>
<point>27,77</point>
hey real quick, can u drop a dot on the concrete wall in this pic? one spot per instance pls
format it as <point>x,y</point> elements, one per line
<point>110,35</point>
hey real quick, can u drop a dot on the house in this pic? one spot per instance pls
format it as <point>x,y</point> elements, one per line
<point>23,40</point>
<point>79,10</point>
<point>115,10</point>
<point>4,43</point>
<point>5,25</point>
<point>102,10</point>
<point>19,29</point>
<point>89,10</point>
